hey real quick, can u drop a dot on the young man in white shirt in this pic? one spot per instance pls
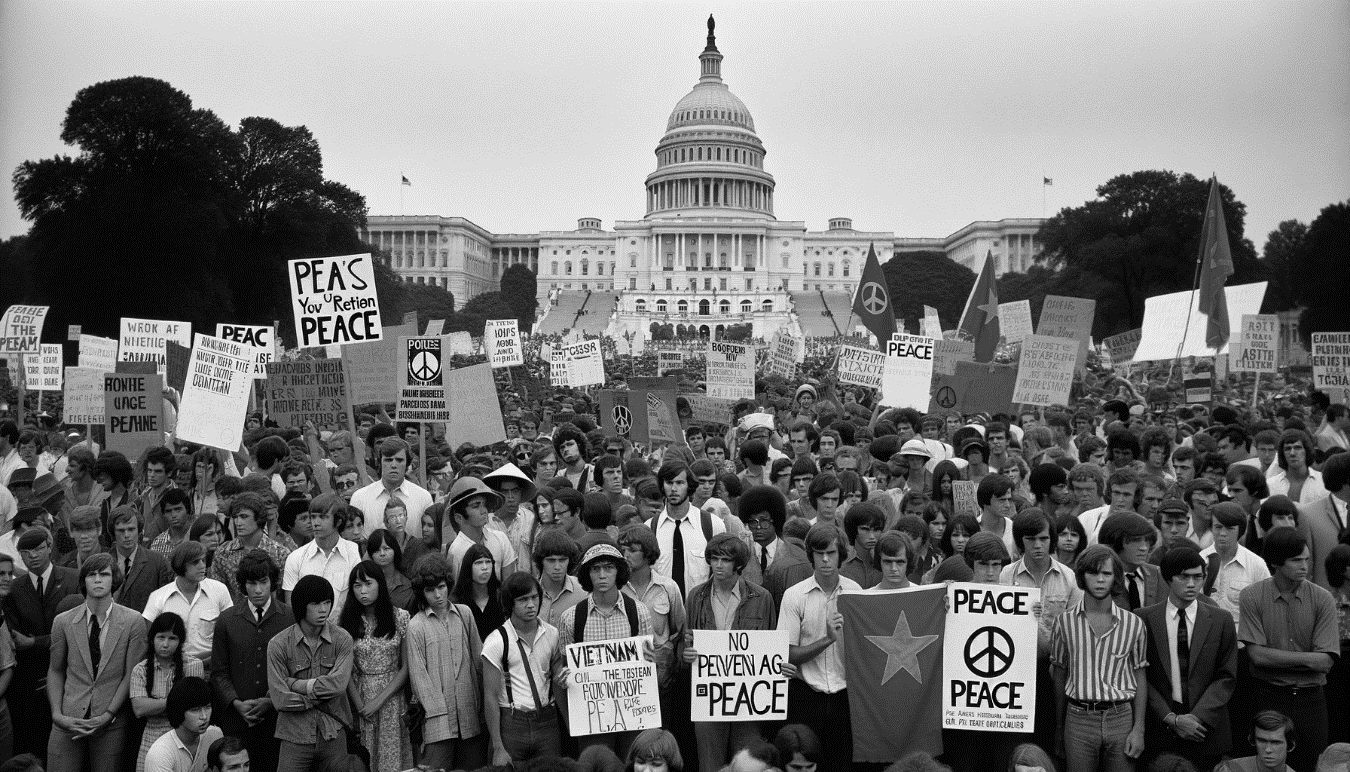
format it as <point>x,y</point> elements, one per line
<point>519,662</point>
<point>328,554</point>
<point>185,747</point>
<point>471,504</point>
<point>192,596</point>
<point>1230,566</point>
<point>371,500</point>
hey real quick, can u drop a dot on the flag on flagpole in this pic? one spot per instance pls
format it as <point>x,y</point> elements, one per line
<point>1048,181</point>
<point>872,303</point>
<point>407,182</point>
<point>979,320</point>
<point>1216,265</point>
<point>893,665</point>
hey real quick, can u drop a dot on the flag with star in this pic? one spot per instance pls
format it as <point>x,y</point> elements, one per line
<point>893,663</point>
<point>979,320</point>
<point>872,303</point>
<point>1216,265</point>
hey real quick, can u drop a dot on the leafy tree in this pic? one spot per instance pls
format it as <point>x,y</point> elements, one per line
<point>917,279</point>
<point>1319,273</point>
<point>480,308</point>
<point>518,290</point>
<point>16,267</point>
<point>428,301</point>
<point>1284,246</point>
<point>737,332</point>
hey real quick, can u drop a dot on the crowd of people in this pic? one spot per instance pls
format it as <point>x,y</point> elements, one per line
<point>334,596</point>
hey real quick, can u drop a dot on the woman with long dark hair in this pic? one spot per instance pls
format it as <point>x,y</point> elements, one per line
<point>382,549</point>
<point>152,678</point>
<point>944,474</point>
<point>379,671</point>
<point>476,587</point>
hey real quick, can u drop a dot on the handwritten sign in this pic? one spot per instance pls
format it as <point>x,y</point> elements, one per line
<point>583,364</point>
<point>258,336</point>
<point>709,409</point>
<point>476,415</point>
<point>21,329</point>
<point>133,406</point>
<point>421,381</point>
<point>1045,371</point>
<point>83,397</point>
<point>611,688</point>
<point>501,340</point>
<point>43,370</point>
<point>366,368</point>
<point>98,353</point>
<point>731,371</point>
<point>1014,320</point>
<point>142,340</point>
<point>1165,321</point>
<point>989,658</point>
<point>334,299</point>
<point>1331,365</point>
<point>669,360</point>
<point>908,372</point>
<point>215,395</point>
<point>1063,317</point>
<point>1122,348</point>
<point>1258,344</point>
<point>782,354</point>
<point>946,353</point>
<point>299,391</point>
<point>964,500</point>
<point>738,676</point>
<point>861,366</point>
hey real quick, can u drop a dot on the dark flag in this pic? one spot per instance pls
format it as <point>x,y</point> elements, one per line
<point>1216,265</point>
<point>872,303</point>
<point>406,181</point>
<point>979,320</point>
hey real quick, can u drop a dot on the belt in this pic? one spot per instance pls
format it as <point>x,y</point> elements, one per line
<point>528,712</point>
<point>1293,691</point>
<point>1097,705</point>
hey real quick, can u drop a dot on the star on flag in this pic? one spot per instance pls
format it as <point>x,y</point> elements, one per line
<point>902,649</point>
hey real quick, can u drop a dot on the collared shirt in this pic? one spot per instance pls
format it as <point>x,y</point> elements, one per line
<point>860,569</point>
<point>1302,620</point>
<point>498,543</point>
<point>1059,589</point>
<point>372,499</point>
<point>443,670</point>
<point>46,577</point>
<point>1277,480</point>
<point>169,754</point>
<point>517,532</point>
<point>602,625</point>
<point>199,612</point>
<point>663,599</point>
<point>335,566</point>
<point>696,570</point>
<point>724,605</point>
<point>1101,668</point>
<point>542,649</point>
<point>1092,522</point>
<point>102,625</point>
<point>226,560</point>
<point>1244,569</point>
<point>804,612</point>
<point>239,650</point>
<point>164,543</point>
<point>551,606</point>
<point>291,660</point>
<point>1173,614</point>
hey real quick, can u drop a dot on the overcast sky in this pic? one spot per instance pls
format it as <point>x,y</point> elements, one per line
<point>912,117</point>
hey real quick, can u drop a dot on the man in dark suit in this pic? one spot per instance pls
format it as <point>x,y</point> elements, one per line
<point>239,659</point>
<point>1132,537</point>
<point>1192,666</point>
<point>775,564</point>
<point>145,571</point>
<point>1323,521</point>
<point>30,609</point>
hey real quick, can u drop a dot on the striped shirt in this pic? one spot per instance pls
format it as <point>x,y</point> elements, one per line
<point>1101,668</point>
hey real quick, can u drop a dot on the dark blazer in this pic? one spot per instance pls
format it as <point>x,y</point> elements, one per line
<point>239,656</point>
<point>1321,526</point>
<point>790,565</point>
<point>1211,676</point>
<point>1154,589</point>
<point>149,572</point>
<point>88,692</point>
<point>33,616</point>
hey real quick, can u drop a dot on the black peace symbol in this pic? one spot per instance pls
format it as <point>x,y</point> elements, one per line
<point>995,656</point>
<point>623,419</point>
<point>424,366</point>
<point>874,298</point>
<point>946,396</point>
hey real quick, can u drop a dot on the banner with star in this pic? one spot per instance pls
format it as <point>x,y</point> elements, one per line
<point>979,319</point>
<point>893,663</point>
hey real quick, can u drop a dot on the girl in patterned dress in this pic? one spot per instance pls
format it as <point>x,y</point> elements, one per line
<point>379,671</point>
<point>154,676</point>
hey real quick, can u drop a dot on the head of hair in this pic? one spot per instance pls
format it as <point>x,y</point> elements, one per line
<point>987,548</point>
<point>311,589</point>
<point>821,536</point>
<point>1336,470</point>
<point>895,543</point>
<point>101,561</point>
<point>201,525</point>
<point>331,504</point>
<point>565,432</point>
<point>463,589</point>
<point>821,485</point>
<point>517,585</point>
<point>1093,560</point>
<point>1030,755</point>
<point>1299,436</point>
<point>1281,544</point>
<point>1089,445</point>
<point>1030,522</point>
<point>1274,721</point>
<point>1123,527</point>
<point>430,571</point>
<point>963,522</point>
<point>764,498</point>
<point>185,554</point>
<point>352,611</point>
<point>1337,560</point>
<point>1251,479</point>
<point>1069,523</point>
<point>642,536</point>
<point>1125,440</point>
<point>270,451</point>
<point>755,452</point>
<point>172,624</point>
<point>159,455</point>
<point>554,542</point>
<point>1276,506</point>
<point>798,738</point>
<point>188,693</point>
<point>1045,477</point>
<point>222,747</point>
<point>606,461</point>
<point>729,547</point>
<point>1229,515</point>
<point>1085,472</point>
<point>584,573</point>
<point>654,744</point>
<point>85,518</point>
<point>255,566</point>
<point>116,466</point>
<point>1180,558</point>
<point>596,511</point>
<point>380,538</point>
<point>864,514</point>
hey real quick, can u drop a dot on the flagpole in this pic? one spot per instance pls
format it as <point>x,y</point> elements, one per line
<point>1195,286</point>
<point>401,186</point>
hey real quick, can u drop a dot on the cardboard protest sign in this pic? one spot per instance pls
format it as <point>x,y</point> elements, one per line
<point>582,365</point>
<point>1331,365</point>
<point>98,353</point>
<point>657,408</point>
<point>133,407</point>
<point>73,332</point>
<point>975,388</point>
<point>611,688</point>
<point>908,373</point>
<point>946,353</point>
<point>460,343</point>
<point>1045,371</point>
<point>1063,317</point>
<point>434,327</point>
<point>299,391</point>
<point>215,396</point>
<point>782,354</point>
<point>731,371</point>
<point>964,500</point>
<point>82,401</point>
<point>476,415</point>
<point>669,360</point>
<point>335,302</point>
<point>501,341</point>
<point>1196,380</point>
<point>861,366</point>
<point>21,329</point>
<point>42,371</point>
<point>259,336</point>
<point>421,381</point>
<point>1014,320</point>
<point>989,662</point>
<point>1122,348</point>
<point>366,368</point>
<point>1165,321</point>
<point>1258,344</point>
<point>931,324</point>
<point>709,409</point>
<point>142,340</point>
<point>176,359</point>
<point>738,676</point>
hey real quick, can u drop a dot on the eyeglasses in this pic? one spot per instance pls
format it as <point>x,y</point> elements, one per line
<point>343,485</point>
<point>759,522</point>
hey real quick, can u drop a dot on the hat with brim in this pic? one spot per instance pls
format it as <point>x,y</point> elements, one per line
<point>467,487</point>
<point>604,551</point>
<point>510,471</point>
<point>22,476</point>
<point>28,515</point>
<point>916,447</point>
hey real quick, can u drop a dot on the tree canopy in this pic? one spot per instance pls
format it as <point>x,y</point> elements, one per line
<point>519,290</point>
<point>917,279</point>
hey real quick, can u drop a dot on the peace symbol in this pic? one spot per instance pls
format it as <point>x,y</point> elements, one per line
<point>874,298</point>
<point>623,419</point>
<point>995,657</point>
<point>946,396</point>
<point>424,366</point>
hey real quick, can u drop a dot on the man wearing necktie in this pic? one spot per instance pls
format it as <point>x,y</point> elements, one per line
<point>680,530</point>
<point>1132,538</point>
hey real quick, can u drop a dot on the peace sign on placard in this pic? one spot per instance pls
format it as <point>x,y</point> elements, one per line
<point>989,652</point>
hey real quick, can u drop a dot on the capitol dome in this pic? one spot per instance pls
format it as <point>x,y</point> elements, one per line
<point>710,103</point>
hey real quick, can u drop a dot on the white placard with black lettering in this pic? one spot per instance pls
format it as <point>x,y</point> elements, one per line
<point>989,658</point>
<point>731,371</point>
<point>43,370</point>
<point>738,676</point>
<point>421,380</point>
<point>908,375</point>
<point>142,340</point>
<point>335,302</point>
<point>1045,370</point>
<point>584,363</point>
<point>611,687</point>
<point>215,396</point>
<point>98,353</point>
<point>21,329</point>
<point>501,342</point>
<point>861,366</point>
<point>259,336</point>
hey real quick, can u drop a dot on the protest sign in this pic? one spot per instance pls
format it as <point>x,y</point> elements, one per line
<point>908,372</point>
<point>137,368</point>
<point>21,329</point>
<point>1014,320</point>
<point>142,340</point>
<point>861,366</point>
<point>946,353</point>
<point>975,388</point>
<point>501,342</point>
<point>931,324</point>
<point>82,401</point>
<point>301,391</point>
<point>709,409</point>
<point>546,353</point>
<point>782,354</point>
<point>1122,348</point>
<point>738,676</point>
<point>176,359</point>
<point>133,408</point>
<point>460,343</point>
<point>215,396</point>
<point>43,370</point>
<point>259,336</point>
<point>731,371</point>
<point>98,353</point>
<point>366,368</point>
<point>989,662</point>
<point>1063,317</point>
<point>1258,344</point>
<point>1165,321</point>
<point>1045,371</point>
<point>1196,381</point>
<point>334,301</point>
<point>476,415</point>
<point>434,327</point>
<point>73,332</point>
<point>421,381</point>
<point>669,360</point>
<point>611,687</point>
<point>1331,365</point>
<point>583,363</point>
<point>964,500</point>
<point>657,408</point>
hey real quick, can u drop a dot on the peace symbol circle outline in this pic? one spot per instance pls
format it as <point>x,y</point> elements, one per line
<point>946,396</point>
<point>874,298</point>
<point>623,419</point>
<point>424,366</point>
<point>1003,655</point>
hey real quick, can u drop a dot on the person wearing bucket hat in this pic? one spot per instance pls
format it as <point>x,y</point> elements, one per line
<point>470,506</point>
<point>514,517</point>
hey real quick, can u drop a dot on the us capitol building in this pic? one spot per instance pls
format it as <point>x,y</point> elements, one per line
<point>708,253</point>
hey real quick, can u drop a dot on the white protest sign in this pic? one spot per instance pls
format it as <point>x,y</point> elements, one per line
<point>1331,365</point>
<point>299,391</point>
<point>1258,344</point>
<point>215,396</point>
<point>738,676</point>
<point>434,328</point>
<point>611,687</point>
<point>43,370</point>
<point>421,381</point>
<point>21,329</point>
<point>584,363</point>
<point>667,361</point>
<point>931,324</point>
<point>861,366</point>
<point>501,342</point>
<point>946,353</point>
<point>1165,321</point>
<point>83,397</point>
<point>711,409</point>
<point>907,377</point>
<point>142,340</point>
<point>98,353</point>
<point>258,336</point>
<point>460,343</point>
<point>1122,348</point>
<point>477,415</point>
<point>989,658</point>
<point>1014,320</point>
<point>335,301</point>
<point>546,353</point>
<point>1063,317</point>
<point>731,371</point>
<point>1045,371</point>
<point>782,354</point>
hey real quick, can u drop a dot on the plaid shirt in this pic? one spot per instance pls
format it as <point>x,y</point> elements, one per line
<point>601,626</point>
<point>226,561</point>
<point>444,667</point>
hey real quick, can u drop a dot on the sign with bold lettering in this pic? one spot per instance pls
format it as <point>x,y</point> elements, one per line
<point>21,329</point>
<point>1063,317</point>
<point>1122,348</point>
<point>738,676</point>
<point>258,336</point>
<point>133,406</point>
<point>908,372</point>
<point>142,340</point>
<point>582,365</point>
<point>946,353</point>
<point>1331,365</point>
<point>1258,344</point>
<point>731,371</point>
<point>501,341</point>
<point>861,366</point>
<point>1014,320</point>
<point>215,395</point>
<point>98,353</point>
<point>421,381</point>
<point>1045,371</point>
<point>989,658</point>
<point>83,398</point>
<point>477,415</point>
<point>669,360</point>
<point>611,687</point>
<point>43,370</point>
<point>335,301</point>
<point>300,391</point>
